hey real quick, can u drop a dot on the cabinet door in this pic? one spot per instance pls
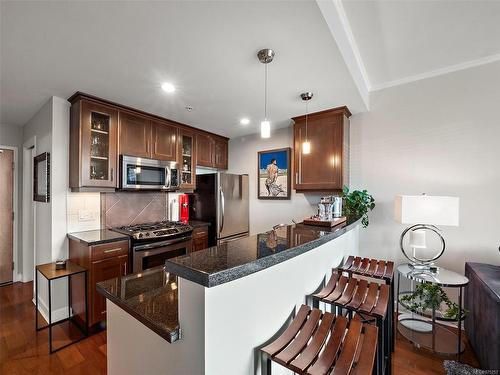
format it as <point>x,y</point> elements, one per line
<point>187,157</point>
<point>322,167</point>
<point>98,126</point>
<point>102,270</point>
<point>204,150</point>
<point>135,135</point>
<point>200,238</point>
<point>164,141</point>
<point>220,154</point>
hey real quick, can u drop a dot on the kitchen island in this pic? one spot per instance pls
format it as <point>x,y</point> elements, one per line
<point>210,311</point>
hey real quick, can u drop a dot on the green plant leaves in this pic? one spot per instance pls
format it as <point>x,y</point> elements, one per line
<point>357,204</point>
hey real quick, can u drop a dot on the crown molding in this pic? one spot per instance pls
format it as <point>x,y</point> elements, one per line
<point>437,72</point>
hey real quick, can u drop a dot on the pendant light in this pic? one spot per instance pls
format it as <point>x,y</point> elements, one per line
<point>306,145</point>
<point>265,57</point>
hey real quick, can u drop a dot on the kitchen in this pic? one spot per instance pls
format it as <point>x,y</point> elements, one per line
<point>221,187</point>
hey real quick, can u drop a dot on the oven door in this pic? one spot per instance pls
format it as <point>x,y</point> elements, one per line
<point>154,254</point>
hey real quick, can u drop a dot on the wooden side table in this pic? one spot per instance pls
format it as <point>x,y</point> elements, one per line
<point>50,273</point>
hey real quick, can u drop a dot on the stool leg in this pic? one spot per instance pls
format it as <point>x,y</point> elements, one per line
<point>388,347</point>
<point>315,303</point>
<point>265,364</point>
<point>393,322</point>
<point>380,348</point>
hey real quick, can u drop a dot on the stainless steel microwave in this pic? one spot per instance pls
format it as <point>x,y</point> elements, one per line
<point>142,174</point>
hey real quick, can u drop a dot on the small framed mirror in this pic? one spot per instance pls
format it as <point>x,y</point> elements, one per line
<point>41,178</point>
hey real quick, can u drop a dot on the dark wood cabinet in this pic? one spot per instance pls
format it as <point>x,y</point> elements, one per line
<point>325,168</point>
<point>101,131</point>
<point>103,270</point>
<point>187,158</point>
<point>135,135</point>
<point>211,151</point>
<point>104,262</point>
<point>204,150</point>
<point>164,140</point>
<point>200,238</point>
<point>93,138</point>
<point>220,153</point>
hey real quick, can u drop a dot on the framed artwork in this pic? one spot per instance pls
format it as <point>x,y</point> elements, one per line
<point>274,174</point>
<point>41,178</point>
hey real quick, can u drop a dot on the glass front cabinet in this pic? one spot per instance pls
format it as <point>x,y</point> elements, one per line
<point>187,159</point>
<point>93,138</point>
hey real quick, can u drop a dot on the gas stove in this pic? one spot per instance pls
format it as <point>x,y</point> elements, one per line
<point>158,230</point>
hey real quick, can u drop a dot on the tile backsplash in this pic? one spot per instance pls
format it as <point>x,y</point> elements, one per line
<point>127,208</point>
<point>83,211</point>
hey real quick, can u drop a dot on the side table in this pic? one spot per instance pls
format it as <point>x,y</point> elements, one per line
<point>50,273</point>
<point>424,329</point>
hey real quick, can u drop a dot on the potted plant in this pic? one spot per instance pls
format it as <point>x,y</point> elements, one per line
<point>357,204</point>
<point>429,296</point>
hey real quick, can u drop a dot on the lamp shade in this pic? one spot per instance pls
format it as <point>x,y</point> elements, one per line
<point>426,209</point>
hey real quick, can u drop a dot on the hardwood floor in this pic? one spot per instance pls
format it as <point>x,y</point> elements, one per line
<point>22,351</point>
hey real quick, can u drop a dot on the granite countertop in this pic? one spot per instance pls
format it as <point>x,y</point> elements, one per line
<point>236,259</point>
<point>150,296</point>
<point>98,236</point>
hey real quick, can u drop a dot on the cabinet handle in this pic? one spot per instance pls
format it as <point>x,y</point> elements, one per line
<point>111,174</point>
<point>112,250</point>
<point>124,268</point>
<point>155,148</point>
<point>296,177</point>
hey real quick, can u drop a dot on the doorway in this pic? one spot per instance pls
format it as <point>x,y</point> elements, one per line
<point>6,216</point>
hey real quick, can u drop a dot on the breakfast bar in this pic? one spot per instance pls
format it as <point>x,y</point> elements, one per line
<point>210,311</point>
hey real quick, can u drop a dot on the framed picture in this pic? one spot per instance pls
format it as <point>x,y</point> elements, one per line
<point>274,174</point>
<point>41,178</point>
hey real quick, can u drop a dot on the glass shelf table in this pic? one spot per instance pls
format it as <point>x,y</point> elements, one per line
<point>426,329</point>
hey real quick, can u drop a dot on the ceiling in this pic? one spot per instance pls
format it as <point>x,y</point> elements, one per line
<point>400,41</point>
<point>123,51</point>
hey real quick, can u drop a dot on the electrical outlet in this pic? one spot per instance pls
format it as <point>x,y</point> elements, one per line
<point>86,215</point>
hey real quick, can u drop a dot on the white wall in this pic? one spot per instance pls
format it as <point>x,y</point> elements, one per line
<point>12,136</point>
<point>440,136</point>
<point>266,213</point>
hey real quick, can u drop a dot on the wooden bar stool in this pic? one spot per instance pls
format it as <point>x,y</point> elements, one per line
<point>320,343</point>
<point>375,269</point>
<point>369,301</point>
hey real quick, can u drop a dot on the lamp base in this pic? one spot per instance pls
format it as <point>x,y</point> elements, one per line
<point>423,267</point>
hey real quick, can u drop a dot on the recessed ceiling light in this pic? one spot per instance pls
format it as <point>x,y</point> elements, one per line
<point>244,121</point>
<point>167,87</point>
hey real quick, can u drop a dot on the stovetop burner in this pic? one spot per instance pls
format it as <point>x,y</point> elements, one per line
<point>160,229</point>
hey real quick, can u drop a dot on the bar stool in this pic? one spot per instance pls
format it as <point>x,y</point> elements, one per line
<point>370,303</point>
<point>375,269</point>
<point>318,343</point>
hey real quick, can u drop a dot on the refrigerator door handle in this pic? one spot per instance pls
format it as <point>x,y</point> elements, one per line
<point>222,209</point>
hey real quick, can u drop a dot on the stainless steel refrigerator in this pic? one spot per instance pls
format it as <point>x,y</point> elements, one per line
<point>222,200</point>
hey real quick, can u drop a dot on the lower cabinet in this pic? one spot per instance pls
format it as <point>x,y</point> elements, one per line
<point>104,261</point>
<point>200,238</point>
<point>102,270</point>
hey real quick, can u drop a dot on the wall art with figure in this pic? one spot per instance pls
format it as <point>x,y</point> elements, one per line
<point>274,174</point>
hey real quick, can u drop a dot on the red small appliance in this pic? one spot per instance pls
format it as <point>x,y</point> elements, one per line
<point>184,208</point>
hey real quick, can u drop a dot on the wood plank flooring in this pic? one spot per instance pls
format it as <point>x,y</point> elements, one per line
<point>22,351</point>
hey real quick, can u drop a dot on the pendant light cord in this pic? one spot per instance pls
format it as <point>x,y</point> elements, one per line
<point>306,119</point>
<point>265,93</point>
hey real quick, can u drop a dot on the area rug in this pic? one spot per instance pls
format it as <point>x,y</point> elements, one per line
<point>456,368</point>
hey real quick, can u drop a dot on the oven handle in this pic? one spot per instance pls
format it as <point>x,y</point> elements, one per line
<point>160,244</point>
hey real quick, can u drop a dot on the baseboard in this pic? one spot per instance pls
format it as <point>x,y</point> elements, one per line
<point>57,315</point>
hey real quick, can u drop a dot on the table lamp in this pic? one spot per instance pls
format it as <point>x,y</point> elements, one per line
<point>424,213</point>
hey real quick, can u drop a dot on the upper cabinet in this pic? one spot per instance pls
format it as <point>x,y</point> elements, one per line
<point>325,168</point>
<point>212,151</point>
<point>101,131</point>
<point>93,137</point>
<point>135,135</point>
<point>187,157</point>
<point>164,141</point>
